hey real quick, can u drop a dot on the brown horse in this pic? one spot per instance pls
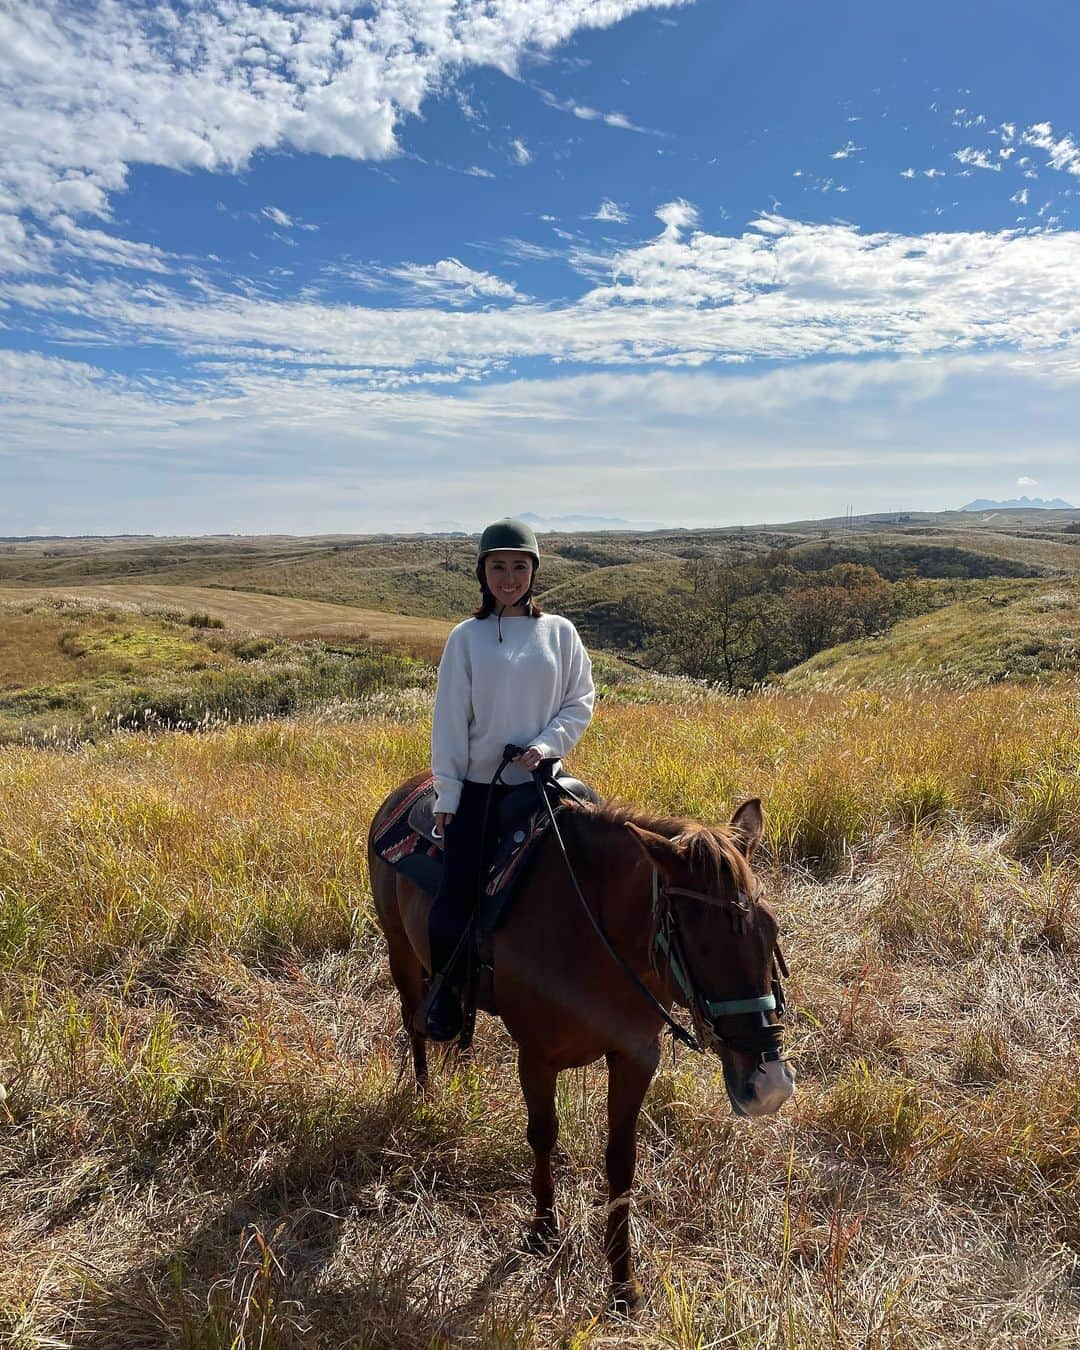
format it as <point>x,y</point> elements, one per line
<point>566,1002</point>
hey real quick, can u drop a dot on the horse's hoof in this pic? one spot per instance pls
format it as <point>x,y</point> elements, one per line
<point>542,1236</point>
<point>626,1297</point>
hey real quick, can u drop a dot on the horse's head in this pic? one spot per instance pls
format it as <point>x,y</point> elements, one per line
<point>718,941</point>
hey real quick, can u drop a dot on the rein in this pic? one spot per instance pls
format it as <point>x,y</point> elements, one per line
<point>763,1040</point>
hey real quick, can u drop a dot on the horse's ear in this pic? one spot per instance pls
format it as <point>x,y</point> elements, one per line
<point>747,826</point>
<point>659,850</point>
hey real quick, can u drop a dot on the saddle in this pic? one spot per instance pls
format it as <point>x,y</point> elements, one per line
<point>407,841</point>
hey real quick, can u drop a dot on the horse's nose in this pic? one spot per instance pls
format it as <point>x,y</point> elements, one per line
<point>769,1087</point>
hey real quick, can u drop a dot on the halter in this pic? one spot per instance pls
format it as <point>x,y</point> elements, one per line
<point>762,1039</point>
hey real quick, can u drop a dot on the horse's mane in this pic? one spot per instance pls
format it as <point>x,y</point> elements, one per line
<point>710,850</point>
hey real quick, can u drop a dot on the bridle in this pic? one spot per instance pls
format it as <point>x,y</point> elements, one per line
<point>762,1038</point>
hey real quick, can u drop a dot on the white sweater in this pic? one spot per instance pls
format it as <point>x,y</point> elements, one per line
<point>533,688</point>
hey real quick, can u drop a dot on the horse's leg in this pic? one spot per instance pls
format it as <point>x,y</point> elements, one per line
<point>408,975</point>
<point>537,1079</point>
<point>406,970</point>
<point>628,1081</point>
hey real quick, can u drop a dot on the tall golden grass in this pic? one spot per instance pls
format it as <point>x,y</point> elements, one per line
<point>208,1137</point>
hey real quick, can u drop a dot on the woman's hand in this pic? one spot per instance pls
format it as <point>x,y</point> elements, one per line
<point>530,759</point>
<point>442,819</point>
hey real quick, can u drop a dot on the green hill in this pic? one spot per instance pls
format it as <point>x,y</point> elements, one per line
<point>75,669</point>
<point>1012,630</point>
<point>934,552</point>
<point>608,605</point>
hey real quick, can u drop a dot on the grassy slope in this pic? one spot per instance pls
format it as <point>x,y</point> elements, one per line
<point>603,603</point>
<point>77,669</point>
<point>1014,629</point>
<point>405,590</point>
<point>415,585</point>
<point>981,552</point>
<point>280,615</point>
<point>206,1140</point>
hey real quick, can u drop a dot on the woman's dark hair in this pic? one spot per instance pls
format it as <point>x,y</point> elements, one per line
<point>488,603</point>
<point>487,606</point>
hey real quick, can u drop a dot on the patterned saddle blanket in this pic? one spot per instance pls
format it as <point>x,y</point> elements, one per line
<point>407,841</point>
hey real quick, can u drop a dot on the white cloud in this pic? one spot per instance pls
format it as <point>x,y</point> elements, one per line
<point>88,91</point>
<point>1064,151</point>
<point>873,431</point>
<point>676,217</point>
<point>522,153</point>
<point>846,151</point>
<point>586,114</point>
<point>278,216</point>
<point>611,211</point>
<point>1020,198</point>
<point>782,289</point>
<point>1027,482</point>
<point>452,282</point>
<point>475,171</point>
<point>976,159</point>
<point>25,247</point>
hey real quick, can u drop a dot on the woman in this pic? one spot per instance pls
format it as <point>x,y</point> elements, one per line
<point>510,675</point>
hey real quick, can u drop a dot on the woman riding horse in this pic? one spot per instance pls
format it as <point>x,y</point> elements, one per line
<point>659,910</point>
<point>513,675</point>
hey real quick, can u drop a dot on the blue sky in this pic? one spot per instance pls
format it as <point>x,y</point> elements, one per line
<point>327,267</point>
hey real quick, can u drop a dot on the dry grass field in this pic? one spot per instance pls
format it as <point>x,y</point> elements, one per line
<point>282,616</point>
<point>208,1139</point>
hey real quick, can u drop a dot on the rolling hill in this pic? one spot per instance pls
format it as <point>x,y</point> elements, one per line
<point>1013,629</point>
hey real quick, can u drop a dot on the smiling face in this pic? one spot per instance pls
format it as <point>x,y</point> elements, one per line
<point>508,573</point>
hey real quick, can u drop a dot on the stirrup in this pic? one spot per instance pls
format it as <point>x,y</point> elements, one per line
<point>446,999</point>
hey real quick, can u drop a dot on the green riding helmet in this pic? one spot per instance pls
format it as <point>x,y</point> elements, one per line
<point>508,533</point>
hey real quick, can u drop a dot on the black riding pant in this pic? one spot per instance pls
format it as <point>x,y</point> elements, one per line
<point>464,862</point>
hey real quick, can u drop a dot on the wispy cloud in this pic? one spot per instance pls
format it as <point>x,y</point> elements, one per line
<point>610,211</point>
<point>451,281</point>
<point>584,113</point>
<point>448,281</point>
<point>846,151</point>
<point>380,458</point>
<point>284,220</point>
<point>976,159</point>
<point>521,152</point>
<point>781,290</point>
<point>1064,151</point>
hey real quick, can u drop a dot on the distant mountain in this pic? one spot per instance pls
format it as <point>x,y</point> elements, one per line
<point>1019,504</point>
<point>578,524</point>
